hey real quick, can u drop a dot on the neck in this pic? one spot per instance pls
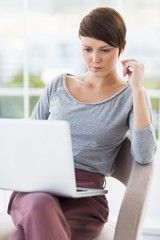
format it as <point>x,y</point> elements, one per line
<point>102,81</point>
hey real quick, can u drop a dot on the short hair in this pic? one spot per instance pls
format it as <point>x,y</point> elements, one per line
<point>105,24</point>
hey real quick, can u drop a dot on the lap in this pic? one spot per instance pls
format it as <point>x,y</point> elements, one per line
<point>85,216</point>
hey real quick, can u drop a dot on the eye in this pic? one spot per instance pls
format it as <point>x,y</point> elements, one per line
<point>87,49</point>
<point>105,50</point>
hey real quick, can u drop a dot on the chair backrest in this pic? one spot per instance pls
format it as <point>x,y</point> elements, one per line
<point>137,179</point>
<point>123,163</point>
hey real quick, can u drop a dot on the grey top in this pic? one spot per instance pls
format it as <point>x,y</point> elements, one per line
<point>97,129</point>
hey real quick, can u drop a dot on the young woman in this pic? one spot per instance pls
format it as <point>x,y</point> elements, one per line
<point>101,108</point>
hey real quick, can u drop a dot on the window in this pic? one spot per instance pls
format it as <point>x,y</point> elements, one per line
<point>39,39</point>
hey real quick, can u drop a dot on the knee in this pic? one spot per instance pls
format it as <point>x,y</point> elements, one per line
<point>42,204</point>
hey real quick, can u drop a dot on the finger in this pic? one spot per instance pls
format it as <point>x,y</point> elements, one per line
<point>127,69</point>
<point>128,61</point>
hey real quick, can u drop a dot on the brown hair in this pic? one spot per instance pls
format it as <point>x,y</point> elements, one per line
<point>105,24</point>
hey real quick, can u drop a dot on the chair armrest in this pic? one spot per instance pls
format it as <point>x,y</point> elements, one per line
<point>131,215</point>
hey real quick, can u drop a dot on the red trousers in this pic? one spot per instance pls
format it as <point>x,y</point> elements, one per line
<point>43,216</point>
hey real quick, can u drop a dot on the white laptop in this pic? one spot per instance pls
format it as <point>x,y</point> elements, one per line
<point>36,155</point>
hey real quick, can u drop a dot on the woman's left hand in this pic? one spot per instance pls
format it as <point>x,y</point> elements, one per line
<point>134,70</point>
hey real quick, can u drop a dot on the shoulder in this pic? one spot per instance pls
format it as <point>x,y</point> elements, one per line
<point>57,80</point>
<point>55,83</point>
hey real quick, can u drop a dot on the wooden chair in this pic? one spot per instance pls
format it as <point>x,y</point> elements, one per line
<point>137,179</point>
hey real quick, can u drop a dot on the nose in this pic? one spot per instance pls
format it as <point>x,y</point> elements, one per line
<point>95,57</point>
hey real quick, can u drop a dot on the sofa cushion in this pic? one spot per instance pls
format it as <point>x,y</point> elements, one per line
<point>107,232</point>
<point>6,226</point>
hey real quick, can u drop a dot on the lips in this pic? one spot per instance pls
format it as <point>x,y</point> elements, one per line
<point>97,68</point>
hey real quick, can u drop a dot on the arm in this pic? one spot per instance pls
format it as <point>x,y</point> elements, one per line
<point>144,143</point>
<point>141,114</point>
<point>41,110</point>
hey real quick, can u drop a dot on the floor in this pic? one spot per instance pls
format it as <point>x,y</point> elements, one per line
<point>151,238</point>
<point>151,234</point>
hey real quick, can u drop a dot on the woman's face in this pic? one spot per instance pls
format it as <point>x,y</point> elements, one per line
<point>100,57</point>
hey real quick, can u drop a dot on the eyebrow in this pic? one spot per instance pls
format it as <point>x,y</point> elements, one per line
<point>107,46</point>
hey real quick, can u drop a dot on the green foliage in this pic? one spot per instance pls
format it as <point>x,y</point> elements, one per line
<point>35,81</point>
<point>153,82</point>
<point>32,102</point>
<point>12,107</point>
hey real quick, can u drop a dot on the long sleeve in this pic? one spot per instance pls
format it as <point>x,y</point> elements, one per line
<point>143,141</point>
<point>42,108</point>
